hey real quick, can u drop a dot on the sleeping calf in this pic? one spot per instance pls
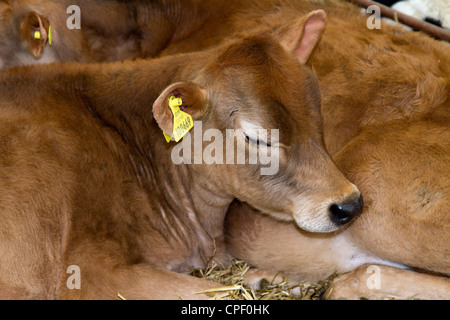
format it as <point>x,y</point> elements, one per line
<point>92,206</point>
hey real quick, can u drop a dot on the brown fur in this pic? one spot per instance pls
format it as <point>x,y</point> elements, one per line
<point>116,31</point>
<point>386,117</point>
<point>385,108</point>
<point>86,178</point>
<point>382,91</point>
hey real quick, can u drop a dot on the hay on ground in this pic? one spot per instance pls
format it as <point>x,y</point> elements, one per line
<point>234,287</point>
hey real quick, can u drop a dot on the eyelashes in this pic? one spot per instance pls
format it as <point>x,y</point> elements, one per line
<point>256,141</point>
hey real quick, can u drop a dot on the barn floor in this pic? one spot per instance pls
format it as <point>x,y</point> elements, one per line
<point>232,278</point>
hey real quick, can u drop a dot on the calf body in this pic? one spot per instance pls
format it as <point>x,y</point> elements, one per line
<point>87,181</point>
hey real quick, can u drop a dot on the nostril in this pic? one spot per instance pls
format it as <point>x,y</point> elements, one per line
<point>339,215</point>
<point>344,212</point>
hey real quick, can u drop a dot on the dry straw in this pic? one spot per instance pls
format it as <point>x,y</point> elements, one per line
<point>234,287</point>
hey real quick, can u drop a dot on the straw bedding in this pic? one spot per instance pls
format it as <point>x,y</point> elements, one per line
<point>234,288</point>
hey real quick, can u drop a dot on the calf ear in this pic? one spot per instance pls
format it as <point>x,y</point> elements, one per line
<point>194,102</point>
<point>301,36</point>
<point>34,32</point>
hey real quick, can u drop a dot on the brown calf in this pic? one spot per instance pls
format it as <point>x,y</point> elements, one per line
<point>385,114</point>
<point>386,103</point>
<point>92,205</point>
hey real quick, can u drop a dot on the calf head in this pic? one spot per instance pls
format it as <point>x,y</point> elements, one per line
<point>259,93</point>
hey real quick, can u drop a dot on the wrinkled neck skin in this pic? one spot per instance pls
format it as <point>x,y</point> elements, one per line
<point>121,96</point>
<point>197,208</point>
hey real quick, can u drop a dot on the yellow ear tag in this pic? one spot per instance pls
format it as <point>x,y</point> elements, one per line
<point>50,35</point>
<point>182,121</point>
<point>168,138</point>
<point>37,35</point>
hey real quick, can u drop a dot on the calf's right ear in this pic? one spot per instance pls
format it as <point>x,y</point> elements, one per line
<point>302,35</point>
<point>194,102</point>
<point>34,33</point>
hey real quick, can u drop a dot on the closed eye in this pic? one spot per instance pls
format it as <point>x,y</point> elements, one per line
<point>256,141</point>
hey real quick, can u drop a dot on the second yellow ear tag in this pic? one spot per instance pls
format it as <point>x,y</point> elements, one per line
<point>37,35</point>
<point>50,35</point>
<point>182,121</point>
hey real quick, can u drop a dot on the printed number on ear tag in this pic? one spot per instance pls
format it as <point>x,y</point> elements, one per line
<point>182,121</point>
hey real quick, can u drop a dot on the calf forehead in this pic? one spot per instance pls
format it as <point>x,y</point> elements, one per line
<point>258,56</point>
<point>270,92</point>
<point>253,67</point>
<point>261,83</point>
<point>256,50</point>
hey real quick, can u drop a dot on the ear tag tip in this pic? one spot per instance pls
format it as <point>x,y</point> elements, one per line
<point>175,102</point>
<point>37,35</point>
<point>168,138</point>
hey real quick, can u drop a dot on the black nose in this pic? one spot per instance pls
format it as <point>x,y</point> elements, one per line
<point>346,211</point>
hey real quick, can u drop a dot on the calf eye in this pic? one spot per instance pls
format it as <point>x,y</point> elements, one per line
<point>256,141</point>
